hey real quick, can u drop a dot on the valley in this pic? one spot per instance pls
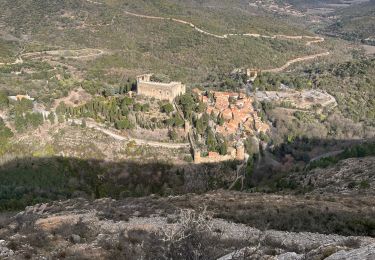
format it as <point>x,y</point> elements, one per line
<point>187,129</point>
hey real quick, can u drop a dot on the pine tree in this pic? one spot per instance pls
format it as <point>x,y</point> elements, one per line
<point>211,141</point>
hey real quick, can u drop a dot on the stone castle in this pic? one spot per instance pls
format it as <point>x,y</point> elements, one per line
<point>162,91</point>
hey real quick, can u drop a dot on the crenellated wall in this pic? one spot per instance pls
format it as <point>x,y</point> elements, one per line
<point>162,91</point>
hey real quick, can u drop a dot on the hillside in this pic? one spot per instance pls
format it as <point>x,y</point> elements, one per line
<point>155,228</point>
<point>354,23</point>
<point>137,44</point>
<point>355,175</point>
<point>187,129</point>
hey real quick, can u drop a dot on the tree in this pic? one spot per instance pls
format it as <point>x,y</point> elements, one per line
<point>264,137</point>
<point>20,122</point>
<point>5,132</point>
<point>167,108</point>
<point>178,121</point>
<point>60,118</point>
<point>251,146</point>
<point>160,78</point>
<point>201,107</point>
<point>4,101</point>
<point>199,125</point>
<point>34,119</point>
<point>51,117</point>
<point>187,102</point>
<point>220,119</point>
<point>24,105</point>
<point>249,171</point>
<point>124,123</point>
<point>146,107</point>
<point>127,101</point>
<point>173,134</point>
<point>137,107</point>
<point>61,108</point>
<point>83,123</point>
<point>211,141</point>
<point>223,148</point>
<point>124,109</point>
<point>205,118</point>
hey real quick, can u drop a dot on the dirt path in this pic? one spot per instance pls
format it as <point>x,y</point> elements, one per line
<point>91,53</point>
<point>300,59</point>
<point>311,39</point>
<point>118,137</point>
<point>325,155</point>
<point>17,61</point>
<point>48,56</point>
<point>93,2</point>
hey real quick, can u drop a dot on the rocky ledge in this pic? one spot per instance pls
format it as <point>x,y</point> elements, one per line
<point>152,228</point>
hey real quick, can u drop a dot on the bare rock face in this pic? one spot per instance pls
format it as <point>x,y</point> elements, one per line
<point>367,252</point>
<point>350,176</point>
<point>157,228</point>
<point>290,256</point>
<point>4,251</point>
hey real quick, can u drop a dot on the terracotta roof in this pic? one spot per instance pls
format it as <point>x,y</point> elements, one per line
<point>240,113</point>
<point>227,114</point>
<point>213,154</point>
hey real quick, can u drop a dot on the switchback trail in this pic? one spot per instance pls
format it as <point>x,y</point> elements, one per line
<point>310,39</point>
<point>290,62</point>
<point>76,54</point>
<point>79,54</point>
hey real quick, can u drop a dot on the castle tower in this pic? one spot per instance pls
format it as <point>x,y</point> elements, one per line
<point>240,152</point>
<point>144,77</point>
<point>197,156</point>
<point>159,90</point>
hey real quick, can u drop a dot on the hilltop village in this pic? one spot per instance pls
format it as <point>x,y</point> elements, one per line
<point>237,120</point>
<point>153,111</point>
<point>229,119</point>
<point>213,126</point>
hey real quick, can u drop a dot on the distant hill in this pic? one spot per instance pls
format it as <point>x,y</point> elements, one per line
<point>137,44</point>
<point>333,4</point>
<point>354,23</point>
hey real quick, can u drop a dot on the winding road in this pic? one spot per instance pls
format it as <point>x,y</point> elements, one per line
<point>80,53</point>
<point>91,53</point>
<point>300,59</point>
<point>17,61</point>
<point>118,137</point>
<point>310,39</point>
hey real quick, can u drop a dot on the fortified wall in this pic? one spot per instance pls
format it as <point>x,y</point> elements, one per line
<point>162,91</point>
<point>233,154</point>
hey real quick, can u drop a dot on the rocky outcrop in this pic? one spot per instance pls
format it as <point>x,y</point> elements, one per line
<point>154,228</point>
<point>367,252</point>
<point>350,176</point>
<point>4,250</point>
